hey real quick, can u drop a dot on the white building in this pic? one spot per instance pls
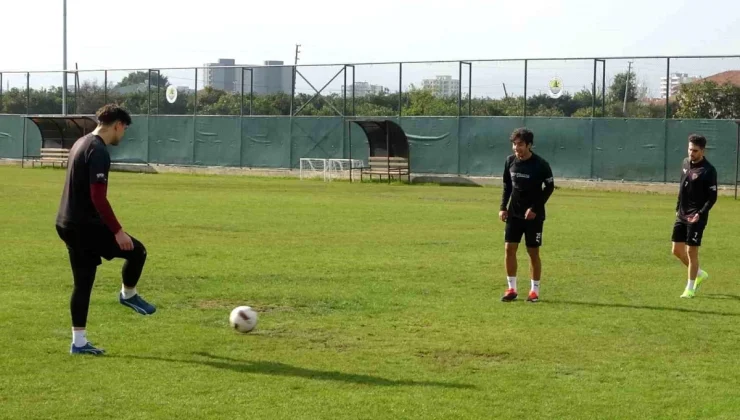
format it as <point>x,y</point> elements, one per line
<point>442,86</point>
<point>676,80</point>
<point>269,77</point>
<point>364,89</point>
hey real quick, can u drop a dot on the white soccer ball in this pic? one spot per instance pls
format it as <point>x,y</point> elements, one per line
<point>243,319</point>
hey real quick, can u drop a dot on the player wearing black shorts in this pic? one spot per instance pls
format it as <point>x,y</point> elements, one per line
<point>89,228</point>
<point>524,174</point>
<point>696,196</point>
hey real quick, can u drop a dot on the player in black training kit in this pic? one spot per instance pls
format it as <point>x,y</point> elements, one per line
<point>87,225</point>
<point>696,196</point>
<point>524,174</point>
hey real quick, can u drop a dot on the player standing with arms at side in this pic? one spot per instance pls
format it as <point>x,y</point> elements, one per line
<point>696,196</point>
<point>524,174</point>
<point>89,228</point>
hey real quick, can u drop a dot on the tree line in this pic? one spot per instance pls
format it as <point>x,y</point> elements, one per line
<point>703,99</point>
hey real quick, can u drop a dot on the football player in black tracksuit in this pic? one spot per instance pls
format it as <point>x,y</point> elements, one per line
<point>524,174</point>
<point>696,196</point>
<point>89,228</point>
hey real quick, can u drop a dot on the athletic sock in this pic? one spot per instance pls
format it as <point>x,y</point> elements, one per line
<point>690,285</point>
<point>128,293</point>
<point>79,337</point>
<point>536,286</point>
<point>512,282</point>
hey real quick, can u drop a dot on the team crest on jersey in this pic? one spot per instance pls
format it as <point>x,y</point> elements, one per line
<point>694,175</point>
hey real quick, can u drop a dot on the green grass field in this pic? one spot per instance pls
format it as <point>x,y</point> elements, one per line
<point>375,301</point>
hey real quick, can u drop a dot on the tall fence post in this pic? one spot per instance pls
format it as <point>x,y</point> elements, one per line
<point>526,63</point>
<point>195,116</point>
<point>241,121</point>
<point>400,92</point>
<point>665,119</point>
<point>737,157</point>
<point>148,120</point>
<point>603,88</point>
<point>25,120</point>
<point>344,114</point>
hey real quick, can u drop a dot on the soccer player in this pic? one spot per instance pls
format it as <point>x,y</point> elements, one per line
<point>696,196</point>
<point>89,228</point>
<point>524,174</point>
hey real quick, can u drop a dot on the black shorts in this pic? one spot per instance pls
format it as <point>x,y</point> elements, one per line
<point>531,229</point>
<point>88,245</point>
<point>690,233</point>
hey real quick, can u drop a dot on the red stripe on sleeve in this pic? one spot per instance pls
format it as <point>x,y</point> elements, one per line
<point>98,194</point>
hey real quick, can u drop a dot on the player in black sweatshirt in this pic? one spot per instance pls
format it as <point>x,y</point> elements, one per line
<point>696,196</point>
<point>523,209</point>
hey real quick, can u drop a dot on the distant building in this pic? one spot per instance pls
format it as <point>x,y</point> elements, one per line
<point>269,77</point>
<point>364,88</point>
<point>442,86</point>
<point>675,81</point>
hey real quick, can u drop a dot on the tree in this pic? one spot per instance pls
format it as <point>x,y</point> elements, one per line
<point>616,90</point>
<point>139,77</point>
<point>707,99</point>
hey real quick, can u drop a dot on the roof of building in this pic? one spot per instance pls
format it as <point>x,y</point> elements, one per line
<point>732,77</point>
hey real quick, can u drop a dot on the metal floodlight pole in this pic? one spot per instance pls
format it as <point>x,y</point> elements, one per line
<point>105,88</point>
<point>251,90</point>
<point>64,60</point>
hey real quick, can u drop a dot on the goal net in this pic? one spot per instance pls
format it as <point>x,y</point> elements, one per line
<point>313,168</point>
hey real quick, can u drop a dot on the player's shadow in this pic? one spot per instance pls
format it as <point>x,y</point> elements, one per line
<point>722,296</point>
<point>647,307</point>
<point>282,369</point>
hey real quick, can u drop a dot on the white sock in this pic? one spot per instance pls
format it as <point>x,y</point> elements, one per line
<point>512,282</point>
<point>79,337</point>
<point>690,285</point>
<point>128,293</point>
<point>536,286</point>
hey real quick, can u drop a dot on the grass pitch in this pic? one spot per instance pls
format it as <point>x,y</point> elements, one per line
<point>375,302</point>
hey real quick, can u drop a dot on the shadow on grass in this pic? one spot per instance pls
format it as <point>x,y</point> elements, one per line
<point>282,369</point>
<point>652,308</point>
<point>723,297</point>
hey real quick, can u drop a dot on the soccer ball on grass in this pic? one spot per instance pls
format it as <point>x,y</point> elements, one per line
<point>243,319</point>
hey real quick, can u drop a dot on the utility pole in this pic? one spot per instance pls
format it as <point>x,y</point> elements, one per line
<point>295,64</point>
<point>64,61</point>
<point>627,88</point>
<point>295,70</point>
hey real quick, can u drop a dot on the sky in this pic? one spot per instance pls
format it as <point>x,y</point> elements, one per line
<point>165,33</point>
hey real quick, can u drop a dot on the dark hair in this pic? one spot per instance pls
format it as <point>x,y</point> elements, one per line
<point>524,135</point>
<point>112,113</point>
<point>698,140</point>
